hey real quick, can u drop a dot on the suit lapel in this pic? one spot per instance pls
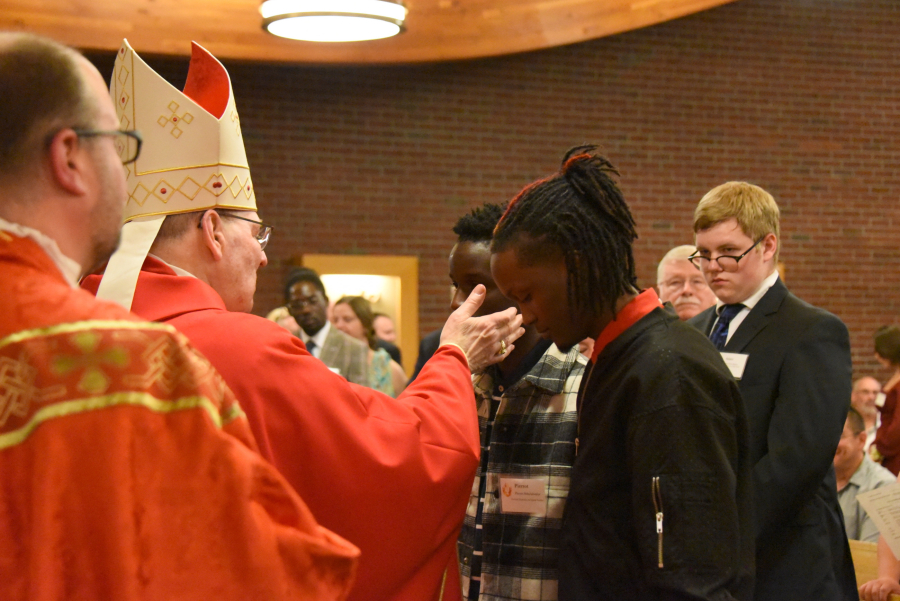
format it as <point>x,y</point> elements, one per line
<point>704,321</point>
<point>331,347</point>
<point>758,318</point>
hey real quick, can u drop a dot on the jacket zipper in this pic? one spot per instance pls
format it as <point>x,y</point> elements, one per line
<point>658,507</point>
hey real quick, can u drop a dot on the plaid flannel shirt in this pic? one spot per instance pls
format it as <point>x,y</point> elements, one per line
<point>532,436</point>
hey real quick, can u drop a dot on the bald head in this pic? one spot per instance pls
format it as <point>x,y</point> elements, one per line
<point>43,87</point>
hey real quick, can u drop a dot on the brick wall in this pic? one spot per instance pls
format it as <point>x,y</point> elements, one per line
<point>799,96</point>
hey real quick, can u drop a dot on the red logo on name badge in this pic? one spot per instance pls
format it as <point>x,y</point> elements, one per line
<point>507,490</point>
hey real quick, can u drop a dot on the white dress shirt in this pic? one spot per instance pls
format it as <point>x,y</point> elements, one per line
<point>748,303</point>
<point>319,338</point>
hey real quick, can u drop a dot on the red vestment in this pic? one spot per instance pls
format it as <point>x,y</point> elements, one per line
<point>887,438</point>
<point>127,469</point>
<point>392,476</point>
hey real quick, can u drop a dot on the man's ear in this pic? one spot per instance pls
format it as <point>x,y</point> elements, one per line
<point>68,162</point>
<point>770,245</point>
<point>211,224</point>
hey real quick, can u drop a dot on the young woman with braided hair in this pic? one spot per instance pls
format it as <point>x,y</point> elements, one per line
<point>659,504</point>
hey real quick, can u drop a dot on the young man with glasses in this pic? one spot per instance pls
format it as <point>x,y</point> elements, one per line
<point>127,468</point>
<point>792,361</point>
<point>389,475</point>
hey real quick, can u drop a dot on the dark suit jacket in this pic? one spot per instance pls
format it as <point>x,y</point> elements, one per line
<point>427,347</point>
<point>796,389</point>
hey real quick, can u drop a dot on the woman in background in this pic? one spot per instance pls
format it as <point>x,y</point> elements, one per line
<point>887,438</point>
<point>353,316</point>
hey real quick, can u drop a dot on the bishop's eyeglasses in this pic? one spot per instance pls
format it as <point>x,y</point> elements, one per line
<point>262,236</point>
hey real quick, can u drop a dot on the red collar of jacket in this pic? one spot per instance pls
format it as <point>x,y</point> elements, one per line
<point>630,314</point>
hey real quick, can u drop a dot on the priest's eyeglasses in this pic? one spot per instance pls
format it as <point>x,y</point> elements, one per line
<point>726,262</point>
<point>128,141</point>
<point>262,236</point>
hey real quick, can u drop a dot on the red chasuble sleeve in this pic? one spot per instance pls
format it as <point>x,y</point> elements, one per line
<point>392,476</point>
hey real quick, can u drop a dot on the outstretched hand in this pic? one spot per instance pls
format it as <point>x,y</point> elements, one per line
<point>482,338</point>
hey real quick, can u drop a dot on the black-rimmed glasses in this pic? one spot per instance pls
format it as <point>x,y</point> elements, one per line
<point>726,262</point>
<point>128,151</point>
<point>262,236</point>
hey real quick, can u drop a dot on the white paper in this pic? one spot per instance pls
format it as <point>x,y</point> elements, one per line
<point>523,495</point>
<point>736,362</point>
<point>883,506</point>
<point>879,399</point>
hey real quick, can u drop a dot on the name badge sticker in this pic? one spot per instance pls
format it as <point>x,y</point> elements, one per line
<point>523,495</point>
<point>736,362</point>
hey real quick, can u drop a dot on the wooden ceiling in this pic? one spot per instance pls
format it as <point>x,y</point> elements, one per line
<point>436,30</point>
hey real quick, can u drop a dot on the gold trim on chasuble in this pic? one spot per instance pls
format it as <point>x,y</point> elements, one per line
<point>77,367</point>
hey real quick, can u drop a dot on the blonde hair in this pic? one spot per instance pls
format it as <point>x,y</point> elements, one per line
<point>754,209</point>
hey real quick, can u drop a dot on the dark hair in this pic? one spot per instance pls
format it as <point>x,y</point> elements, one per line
<point>857,423</point>
<point>363,311</point>
<point>580,210</point>
<point>303,274</point>
<point>42,88</point>
<point>887,343</point>
<point>478,225</point>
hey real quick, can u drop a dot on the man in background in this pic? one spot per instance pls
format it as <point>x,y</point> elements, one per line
<point>863,397</point>
<point>680,283</point>
<point>857,474</point>
<point>127,467</point>
<point>307,303</point>
<point>792,362</point>
<point>384,326</point>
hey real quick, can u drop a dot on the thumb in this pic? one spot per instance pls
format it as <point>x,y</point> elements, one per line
<point>468,308</point>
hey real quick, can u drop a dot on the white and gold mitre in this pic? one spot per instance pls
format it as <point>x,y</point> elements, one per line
<point>192,157</point>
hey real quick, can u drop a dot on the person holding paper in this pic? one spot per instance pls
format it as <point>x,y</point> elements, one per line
<point>888,581</point>
<point>659,503</point>
<point>793,365</point>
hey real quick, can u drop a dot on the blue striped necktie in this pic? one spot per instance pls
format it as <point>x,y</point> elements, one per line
<point>719,334</point>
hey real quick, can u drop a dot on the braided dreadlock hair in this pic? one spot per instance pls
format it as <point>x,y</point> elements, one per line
<point>580,210</point>
<point>478,226</point>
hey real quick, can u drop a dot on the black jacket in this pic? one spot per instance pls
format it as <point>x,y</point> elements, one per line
<point>659,404</point>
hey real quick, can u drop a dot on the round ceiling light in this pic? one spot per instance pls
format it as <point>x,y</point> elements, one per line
<point>333,20</point>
